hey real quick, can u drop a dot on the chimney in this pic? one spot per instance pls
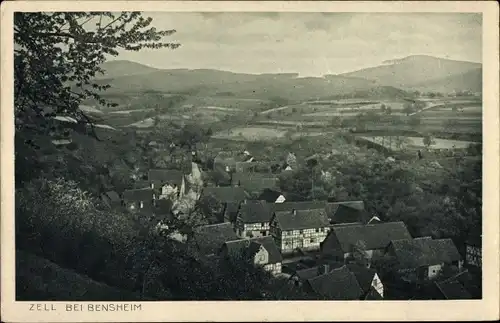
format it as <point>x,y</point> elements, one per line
<point>326,268</point>
<point>294,212</point>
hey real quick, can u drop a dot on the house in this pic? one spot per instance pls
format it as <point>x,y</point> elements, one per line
<point>208,239</point>
<point>271,196</point>
<point>423,258</point>
<point>473,250</point>
<point>262,251</point>
<point>111,199</point>
<point>338,284</point>
<point>167,183</point>
<point>463,285</point>
<point>343,241</point>
<point>348,212</point>
<point>255,183</point>
<point>368,280</point>
<point>252,219</point>
<point>138,199</point>
<point>299,229</point>
<point>229,197</point>
<point>300,272</point>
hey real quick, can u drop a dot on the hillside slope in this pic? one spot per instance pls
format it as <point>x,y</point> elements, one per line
<point>38,279</point>
<point>414,70</point>
<point>468,81</point>
<point>119,68</point>
<point>214,82</point>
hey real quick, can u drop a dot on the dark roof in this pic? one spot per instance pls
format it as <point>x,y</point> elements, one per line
<point>231,210</point>
<point>269,195</point>
<point>163,206</point>
<point>413,253</point>
<point>253,245</point>
<point>173,176</point>
<point>363,275</point>
<point>270,246</point>
<point>374,236</point>
<point>306,205</point>
<point>141,194</point>
<point>308,273</point>
<point>302,219</point>
<point>253,211</point>
<point>226,193</point>
<point>255,182</point>
<point>339,284</point>
<point>112,196</point>
<point>452,289</point>
<point>344,213</point>
<point>209,238</point>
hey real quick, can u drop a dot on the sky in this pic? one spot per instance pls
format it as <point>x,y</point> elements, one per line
<point>311,44</point>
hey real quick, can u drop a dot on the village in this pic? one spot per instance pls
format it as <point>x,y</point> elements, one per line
<point>333,250</point>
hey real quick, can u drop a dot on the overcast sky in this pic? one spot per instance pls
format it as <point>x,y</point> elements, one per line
<point>311,44</point>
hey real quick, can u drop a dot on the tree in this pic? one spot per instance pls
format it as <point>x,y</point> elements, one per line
<point>428,141</point>
<point>56,59</point>
<point>408,108</point>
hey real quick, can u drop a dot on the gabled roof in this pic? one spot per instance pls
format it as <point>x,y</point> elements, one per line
<point>308,273</point>
<point>209,238</point>
<point>269,195</point>
<point>339,284</point>
<point>173,176</point>
<point>141,194</point>
<point>364,276</point>
<point>226,193</point>
<point>253,245</point>
<point>231,211</point>
<point>302,219</point>
<point>452,289</point>
<point>112,196</point>
<point>306,205</point>
<point>373,236</point>
<point>270,246</point>
<point>253,211</point>
<point>255,182</point>
<point>163,206</point>
<point>414,253</point>
<point>341,213</point>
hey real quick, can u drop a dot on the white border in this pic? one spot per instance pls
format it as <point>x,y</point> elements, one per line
<point>485,309</point>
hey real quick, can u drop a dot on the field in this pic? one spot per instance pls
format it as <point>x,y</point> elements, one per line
<point>251,134</point>
<point>407,142</point>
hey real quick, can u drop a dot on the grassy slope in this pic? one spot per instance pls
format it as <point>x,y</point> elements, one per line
<point>38,279</point>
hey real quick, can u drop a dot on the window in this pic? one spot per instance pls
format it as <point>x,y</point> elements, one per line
<point>301,231</point>
<point>263,233</point>
<point>262,224</point>
<point>317,230</point>
<point>312,240</point>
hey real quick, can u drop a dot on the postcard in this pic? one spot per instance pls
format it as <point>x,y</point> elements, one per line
<point>184,161</point>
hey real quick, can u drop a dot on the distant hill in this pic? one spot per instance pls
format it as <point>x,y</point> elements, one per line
<point>470,80</point>
<point>204,82</point>
<point>124,68</point>
<point>417,70</point>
